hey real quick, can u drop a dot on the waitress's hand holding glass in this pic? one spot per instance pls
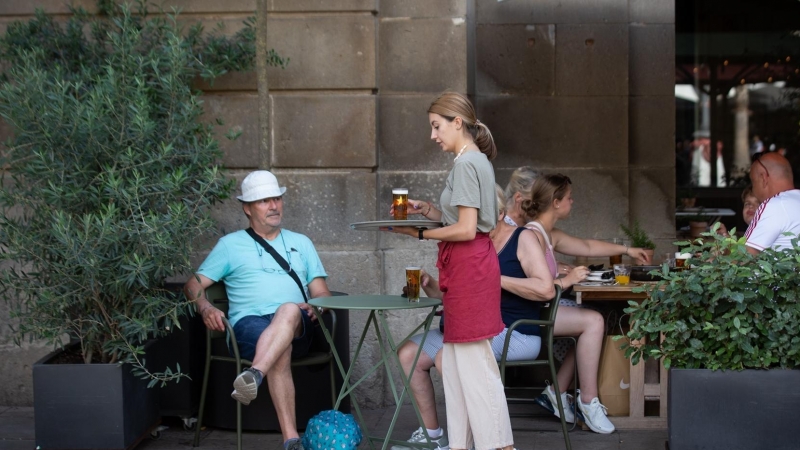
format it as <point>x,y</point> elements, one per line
<point>402,206</point>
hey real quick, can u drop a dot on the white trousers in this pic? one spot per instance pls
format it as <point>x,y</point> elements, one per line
<point>477,411</point>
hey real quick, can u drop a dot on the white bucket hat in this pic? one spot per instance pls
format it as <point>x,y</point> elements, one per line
<point>260,184</point>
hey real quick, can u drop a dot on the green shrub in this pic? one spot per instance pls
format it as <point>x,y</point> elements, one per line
<point>110,175</point>
<point>729,311</point>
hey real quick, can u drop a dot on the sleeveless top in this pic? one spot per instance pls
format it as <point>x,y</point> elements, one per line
<point>548,255</point>
<point>512,306</point>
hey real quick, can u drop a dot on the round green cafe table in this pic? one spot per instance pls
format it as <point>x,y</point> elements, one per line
<point>378,305</point>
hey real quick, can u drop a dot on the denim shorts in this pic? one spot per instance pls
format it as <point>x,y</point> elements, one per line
<point>249,328</point>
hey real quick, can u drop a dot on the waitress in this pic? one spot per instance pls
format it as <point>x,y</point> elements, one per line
<point>469,277</point>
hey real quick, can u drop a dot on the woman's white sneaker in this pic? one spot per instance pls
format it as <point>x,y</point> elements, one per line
<point>547,400</point>
<point>594,415</point>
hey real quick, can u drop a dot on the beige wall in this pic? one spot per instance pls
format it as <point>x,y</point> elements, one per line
<point>582,86</point>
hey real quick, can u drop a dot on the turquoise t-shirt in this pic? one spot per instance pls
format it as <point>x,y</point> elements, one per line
<point>255,283</point>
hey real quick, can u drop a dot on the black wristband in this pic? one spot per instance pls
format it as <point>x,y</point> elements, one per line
<point>421,238</point>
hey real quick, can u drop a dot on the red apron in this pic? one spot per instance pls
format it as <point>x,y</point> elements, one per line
<point>469,278</point>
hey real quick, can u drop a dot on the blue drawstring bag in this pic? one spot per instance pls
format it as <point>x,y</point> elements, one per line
<point>332,430</point>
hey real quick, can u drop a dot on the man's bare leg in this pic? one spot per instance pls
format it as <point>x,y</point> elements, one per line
<point>282,391</point>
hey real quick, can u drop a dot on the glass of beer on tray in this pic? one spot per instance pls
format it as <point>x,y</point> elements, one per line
<point>622,273</point>
<point>400,203</point>
<point>412,283</point>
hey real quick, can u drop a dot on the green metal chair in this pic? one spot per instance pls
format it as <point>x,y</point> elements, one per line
<point>547,323</point>
<point>218,297</point>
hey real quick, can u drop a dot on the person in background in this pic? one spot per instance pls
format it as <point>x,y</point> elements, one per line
<point>551,201</point>
<point>756,146</point>
<point>469,277</point>
<point>701,161</point>
<point>749,206</point>
<point>268,313</point>
<point>779,212</point>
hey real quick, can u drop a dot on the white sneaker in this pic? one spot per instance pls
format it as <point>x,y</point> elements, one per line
<point>245,387</point>
<point>594,415</point>
<point>418,437</point>
<point>547,400</point>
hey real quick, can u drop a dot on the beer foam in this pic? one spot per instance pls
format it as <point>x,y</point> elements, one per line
<point>400,191</point>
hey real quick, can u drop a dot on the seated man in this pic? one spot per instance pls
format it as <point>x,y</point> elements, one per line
<point>268,313</point>
<point>779,212</point>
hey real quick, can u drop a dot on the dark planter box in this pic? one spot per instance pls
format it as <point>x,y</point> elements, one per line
<point>731,410</point>
<point>90,406</point>
<point>312,388</point>
<point>184,346</point>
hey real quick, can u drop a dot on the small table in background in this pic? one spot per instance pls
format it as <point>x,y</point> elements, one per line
<point>378,305</point>
<point>712,214</point>
<point>640,391</point>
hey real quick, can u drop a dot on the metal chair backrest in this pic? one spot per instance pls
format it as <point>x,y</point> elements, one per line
<point>218,296</point>
<point>547,323</point>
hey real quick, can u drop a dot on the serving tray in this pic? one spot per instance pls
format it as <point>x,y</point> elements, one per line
<point>375,225</point>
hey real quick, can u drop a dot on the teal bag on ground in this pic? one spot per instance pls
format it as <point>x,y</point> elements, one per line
<point>332,430</point>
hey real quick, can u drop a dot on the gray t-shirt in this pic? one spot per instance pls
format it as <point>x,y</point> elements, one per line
<point>471,183</point>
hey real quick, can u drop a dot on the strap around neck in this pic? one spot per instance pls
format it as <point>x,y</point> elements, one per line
<point>279,259</point>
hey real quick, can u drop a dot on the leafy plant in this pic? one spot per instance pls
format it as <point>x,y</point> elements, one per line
<point>729,311</point>
<point>110,175</point>
<point>638,236</point>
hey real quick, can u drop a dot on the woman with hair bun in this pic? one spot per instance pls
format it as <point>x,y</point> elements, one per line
<point>469,277</point>
<point>550,201</point>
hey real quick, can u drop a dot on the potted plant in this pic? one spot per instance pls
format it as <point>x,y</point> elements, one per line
<point>639,238</point>
<point>107,186</point>
<point>727,328</point>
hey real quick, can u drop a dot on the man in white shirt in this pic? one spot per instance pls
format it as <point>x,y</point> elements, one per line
<point>779,212</point>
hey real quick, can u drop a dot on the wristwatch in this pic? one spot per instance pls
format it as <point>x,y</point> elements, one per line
<point>421,238</point>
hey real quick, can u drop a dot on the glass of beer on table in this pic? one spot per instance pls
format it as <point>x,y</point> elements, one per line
<point>400,203</point>
<point>412,283</point>
<point>680,260</point>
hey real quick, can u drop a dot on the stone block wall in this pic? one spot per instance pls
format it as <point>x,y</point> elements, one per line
<point>583,87</point>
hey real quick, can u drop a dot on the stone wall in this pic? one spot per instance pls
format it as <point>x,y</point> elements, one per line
<point>581,87</point>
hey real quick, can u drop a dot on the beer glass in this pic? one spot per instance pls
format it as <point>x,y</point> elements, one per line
<point>412,283</point>
<point>680,260</point>
<point>669,259</point>
<point>616,259</point>
<point>400,202</point>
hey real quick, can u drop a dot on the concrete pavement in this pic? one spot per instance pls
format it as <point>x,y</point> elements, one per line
<point>541,432</point>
